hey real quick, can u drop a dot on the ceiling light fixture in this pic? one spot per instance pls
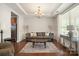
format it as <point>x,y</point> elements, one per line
<point>39,12</point>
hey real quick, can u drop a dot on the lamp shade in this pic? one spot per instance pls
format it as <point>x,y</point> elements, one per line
<point>70,27</point>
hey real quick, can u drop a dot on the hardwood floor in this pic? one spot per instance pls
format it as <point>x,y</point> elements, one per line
<point>40,54</point>
<point>20,45</point>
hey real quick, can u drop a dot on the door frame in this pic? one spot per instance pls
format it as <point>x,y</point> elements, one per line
<point>16,23</point>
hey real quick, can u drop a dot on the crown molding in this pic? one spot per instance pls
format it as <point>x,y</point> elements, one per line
<point>70,7</point>
<point>21,8</point>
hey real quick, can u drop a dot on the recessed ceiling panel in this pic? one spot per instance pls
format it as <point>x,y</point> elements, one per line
<point>46,8</point>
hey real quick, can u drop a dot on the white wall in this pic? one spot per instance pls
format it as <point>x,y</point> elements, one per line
<point>42,24</point>
<point>5,21</point>
<point>5,17</point>
<point>20,30</point>
<point>55,21</point>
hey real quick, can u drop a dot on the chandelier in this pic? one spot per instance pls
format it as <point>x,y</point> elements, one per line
<point>39,12</point>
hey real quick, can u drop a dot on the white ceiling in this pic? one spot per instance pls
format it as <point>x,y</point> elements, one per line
<point>47,8</point>
<point>50,9</point>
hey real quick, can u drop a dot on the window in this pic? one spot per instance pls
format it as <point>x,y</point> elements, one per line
<point>64,22</point>
<point>71,17</point>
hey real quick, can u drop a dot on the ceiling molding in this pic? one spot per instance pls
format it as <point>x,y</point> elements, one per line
<point>21,8</point>
<point>55,12</point>
<point>70,7</point>
<point>64,8</point>
<point>57,7</point>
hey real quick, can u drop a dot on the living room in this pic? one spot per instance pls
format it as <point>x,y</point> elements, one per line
<point>35,22</point>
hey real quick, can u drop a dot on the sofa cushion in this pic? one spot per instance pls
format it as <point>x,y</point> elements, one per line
<point>51,34</point>
<point>40,33</point>
<point>28,34</point>
<point>47,34</point>
<point>33,34</point>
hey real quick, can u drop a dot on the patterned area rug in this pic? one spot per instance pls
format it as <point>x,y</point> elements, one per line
<point>39,48</point>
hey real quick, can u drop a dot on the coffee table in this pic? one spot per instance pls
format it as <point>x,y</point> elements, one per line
<point>39,41</point>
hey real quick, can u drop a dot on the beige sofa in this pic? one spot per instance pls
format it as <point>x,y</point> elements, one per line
<point>6,49</point>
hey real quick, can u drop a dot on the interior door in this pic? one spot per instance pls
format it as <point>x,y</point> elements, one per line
<point>14,28</point>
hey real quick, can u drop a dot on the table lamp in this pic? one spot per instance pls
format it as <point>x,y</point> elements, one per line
<point>70,28</point>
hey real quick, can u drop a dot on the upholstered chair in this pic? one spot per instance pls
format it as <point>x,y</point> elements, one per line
<point>6,49</point>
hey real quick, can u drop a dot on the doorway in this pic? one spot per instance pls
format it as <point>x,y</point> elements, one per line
<point>13,27</point>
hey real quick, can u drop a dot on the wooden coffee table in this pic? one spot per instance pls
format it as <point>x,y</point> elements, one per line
<point>39,41</point>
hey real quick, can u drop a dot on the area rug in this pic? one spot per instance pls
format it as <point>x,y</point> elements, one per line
<point>39,48</point>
